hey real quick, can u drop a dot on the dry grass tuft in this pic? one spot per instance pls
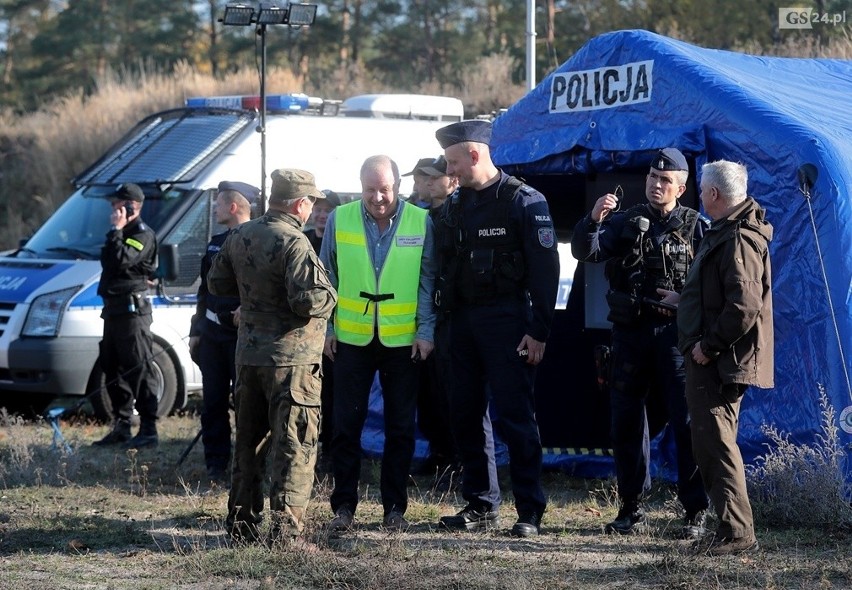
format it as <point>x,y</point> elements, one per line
<point>801,485</point>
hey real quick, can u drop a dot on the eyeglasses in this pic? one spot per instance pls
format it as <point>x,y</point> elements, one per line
<point>619,196</point>
<point>311,198</point>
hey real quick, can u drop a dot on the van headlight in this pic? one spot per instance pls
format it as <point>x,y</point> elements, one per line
<point>46,311</point>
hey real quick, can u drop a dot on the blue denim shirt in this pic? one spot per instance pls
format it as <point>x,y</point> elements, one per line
<point>379,245</point>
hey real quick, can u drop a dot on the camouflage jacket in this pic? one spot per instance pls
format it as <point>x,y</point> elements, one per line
<point>284,291</point>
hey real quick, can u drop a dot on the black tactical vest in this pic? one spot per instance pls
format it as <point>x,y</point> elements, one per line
<point>659,259</point>
<point>488,261</point>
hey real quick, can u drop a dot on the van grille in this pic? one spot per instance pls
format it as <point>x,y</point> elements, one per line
<point>6,310</point>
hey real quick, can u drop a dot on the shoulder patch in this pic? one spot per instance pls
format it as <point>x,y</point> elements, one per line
<point>135,244</point>
<point>546,237</point>
<point>532,197</point>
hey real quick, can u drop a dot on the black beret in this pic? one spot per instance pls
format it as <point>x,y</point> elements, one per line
<point>669,159</point>
<point>438,167</point>
<point>420,164</point>
<point>130,192</point>
<point>477,130</point>
<point>251,193</point>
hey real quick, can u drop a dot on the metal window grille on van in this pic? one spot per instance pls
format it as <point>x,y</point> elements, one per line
<point>169,147</point>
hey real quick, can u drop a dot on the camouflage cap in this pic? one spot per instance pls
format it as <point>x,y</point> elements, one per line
<point>292,183</point>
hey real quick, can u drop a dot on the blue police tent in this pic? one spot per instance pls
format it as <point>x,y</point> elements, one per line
<point>607,110</point>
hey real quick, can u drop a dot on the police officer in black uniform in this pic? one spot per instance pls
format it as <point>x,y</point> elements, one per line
<point>128,258</point>
<point>213,334</point>
<point>499,279</point>
<point>647,247</point>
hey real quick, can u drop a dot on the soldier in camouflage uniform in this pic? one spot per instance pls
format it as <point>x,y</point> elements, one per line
<point>286,298</point>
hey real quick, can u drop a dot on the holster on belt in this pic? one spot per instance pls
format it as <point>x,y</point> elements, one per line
<point>130,303</point>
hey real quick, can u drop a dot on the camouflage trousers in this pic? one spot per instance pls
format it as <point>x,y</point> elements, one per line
<point>277,414</point>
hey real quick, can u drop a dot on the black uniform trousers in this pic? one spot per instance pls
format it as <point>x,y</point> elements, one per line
<point>216,351</point>
<point>483,343</point>
<point>433,401</point>
<point>354,370</point>
<point>647,384</point>
<point>126,352</point>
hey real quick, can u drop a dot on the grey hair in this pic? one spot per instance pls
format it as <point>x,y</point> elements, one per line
<point>380,161</point>
<point>731,178</point>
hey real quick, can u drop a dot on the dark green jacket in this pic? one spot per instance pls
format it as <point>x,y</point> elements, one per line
<point>726,303</point>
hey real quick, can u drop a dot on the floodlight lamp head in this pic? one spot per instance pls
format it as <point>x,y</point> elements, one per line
<point>271,14</point>
<point>238,14</point>
<point>301,15</point>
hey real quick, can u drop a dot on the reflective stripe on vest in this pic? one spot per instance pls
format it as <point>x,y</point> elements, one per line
<point>394,295</point>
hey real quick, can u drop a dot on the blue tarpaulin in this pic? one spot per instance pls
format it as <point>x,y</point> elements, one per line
<point>626,94</point>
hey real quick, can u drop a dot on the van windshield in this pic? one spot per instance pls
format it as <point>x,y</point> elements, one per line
<point>77,230</point>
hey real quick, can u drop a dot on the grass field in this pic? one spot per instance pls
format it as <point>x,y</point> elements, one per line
<point>110,519</point>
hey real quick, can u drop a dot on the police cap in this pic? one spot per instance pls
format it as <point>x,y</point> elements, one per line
<point>332,199</point>
<point>437,167</point>
<point>476,130</point>
<point>130,192</point>
<point>420,164</point>
<point>251,193</point>
<point>669,159</point>
<point>292,183</point>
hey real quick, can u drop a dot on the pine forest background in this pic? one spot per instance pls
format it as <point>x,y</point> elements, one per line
<point>76,74</point>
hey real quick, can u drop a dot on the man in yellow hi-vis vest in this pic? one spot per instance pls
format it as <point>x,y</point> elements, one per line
<point>379,252</point>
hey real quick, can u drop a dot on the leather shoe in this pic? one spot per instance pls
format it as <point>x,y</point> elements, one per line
<point>630,519</point>
<point>733,546</point>
<point>342,521</point>
<point>396,521</point>
<point>528,525</point>
<point>471,519</point>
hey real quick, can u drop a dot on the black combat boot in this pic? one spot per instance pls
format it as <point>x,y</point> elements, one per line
<point>147,437</point>
<point>119,434</point>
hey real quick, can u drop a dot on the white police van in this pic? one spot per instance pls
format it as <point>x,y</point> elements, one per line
<point>50,322</point>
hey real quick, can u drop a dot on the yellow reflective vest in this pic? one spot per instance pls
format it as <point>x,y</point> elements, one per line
<point>389,301</point>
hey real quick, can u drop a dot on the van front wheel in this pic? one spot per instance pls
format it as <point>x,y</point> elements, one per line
<point>165,379</point>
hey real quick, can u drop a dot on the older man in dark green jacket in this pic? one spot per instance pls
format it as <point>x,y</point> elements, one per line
<point>726,336</point>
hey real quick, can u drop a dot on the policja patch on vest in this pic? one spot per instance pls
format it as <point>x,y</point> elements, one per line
<point>546,237</point>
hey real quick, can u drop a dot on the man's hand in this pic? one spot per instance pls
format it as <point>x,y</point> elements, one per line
<point>118,217</point>
<point>670,297</point>
<point>423,348</point>
<point>603,206</point>
<point>235,317</point>
<point>698,355</point>
<point>534,348</point>
<point>329,349</point>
